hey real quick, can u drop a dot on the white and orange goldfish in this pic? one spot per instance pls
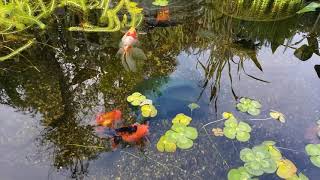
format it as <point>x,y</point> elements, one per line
<point>129,52</point>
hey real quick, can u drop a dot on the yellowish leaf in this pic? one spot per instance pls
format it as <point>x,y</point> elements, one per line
<point>217,132</point>
<point>278,116</point>
<point>286,169</point>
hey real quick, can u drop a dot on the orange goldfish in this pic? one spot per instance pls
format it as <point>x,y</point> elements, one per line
<point>163,15</point>
<point>128,51</point>
<point>109,119</point>
<point>133,133</point>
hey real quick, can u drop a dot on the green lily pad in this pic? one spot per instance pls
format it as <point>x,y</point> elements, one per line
<point>193,106</point>
<point>182,119</point>
<point>313,149</point>
<point>238,174</point>
<point>184,143</point>
<point>253,168</point>
<point>240,131</point>
<point>315,160</point>
<point>160,3</point>
<point>250,106</point>
<point>148,110</point>
<point>166,145</point>
<point>182,135</point>
<point>242,136</point>
<point>298,177</point>
<point>136,99</point>
<point>229,132</point>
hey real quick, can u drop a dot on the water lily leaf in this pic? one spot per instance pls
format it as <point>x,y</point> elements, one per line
<point>275,153</point>
<point>227,115</point>
<point>193,106</point>
<point>172,136</point>
<point>165,145</point>
<point>191,133</point>
<point>148,110</point>
<point>182,119</point>
<point>256,104</point>
<point>309,8</point>
<point>315,160</point>
<point>313,149</point>
<point>286,169</point>
<point>231,123</point>
<point>268,166</point>
<point>160,3</point>
<point>136,99</point>
<point>277,116</point>
<point>254,111</point>
<point>238,174</point>
<point>217,132</point>
<point>178,127</point>
<point>242,107</point>
<point>184,143</point>
<point>229,132</point>
<point>247,155</point>
<point>253,168</point>
<point>243,136</point>
<point>244,127</point>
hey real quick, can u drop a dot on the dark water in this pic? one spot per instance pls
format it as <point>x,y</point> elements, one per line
<point>50,96</point>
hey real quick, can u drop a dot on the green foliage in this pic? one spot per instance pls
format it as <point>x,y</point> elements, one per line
<point>250,106</point>
<point>239,174</point>
<point>181,119</point>
<point>313,150</point>
<point>146,106</point>
<point>258,160</point>
<point>234,129</point>
<point>148,110</point>
<point>136,99</point>
<point>193,106</point>
<point>160,2</point>
<point>180,135</point>
<point>309,8</point>
<point>299,177</point>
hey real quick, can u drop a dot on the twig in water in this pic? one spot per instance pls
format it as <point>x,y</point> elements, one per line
<point>289,149</point>
<point>79,145</point>
<point>130,154</point>
<point>260,119</point>
<point>212,122</point>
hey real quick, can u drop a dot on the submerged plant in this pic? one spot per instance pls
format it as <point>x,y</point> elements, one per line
<point>313,150</point>
<point>234,129</point>
<point>258,160</point>
<point>250,106</point>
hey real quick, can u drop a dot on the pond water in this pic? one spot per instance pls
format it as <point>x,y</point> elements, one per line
<point>51,94</point>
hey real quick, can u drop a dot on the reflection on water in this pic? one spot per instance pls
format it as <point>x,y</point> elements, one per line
<point>208,56</point>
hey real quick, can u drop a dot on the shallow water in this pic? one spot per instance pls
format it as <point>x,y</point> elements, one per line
<point>45,111</point>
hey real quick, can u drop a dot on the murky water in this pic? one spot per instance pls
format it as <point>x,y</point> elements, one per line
<point>50,96</point>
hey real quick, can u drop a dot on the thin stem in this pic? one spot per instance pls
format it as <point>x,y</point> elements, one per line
<point>212,122</point>
<point>79,145</point>
<point>17,51</point>
<point>130,154</point>
<point>289,149</point>
<point>260,119</point>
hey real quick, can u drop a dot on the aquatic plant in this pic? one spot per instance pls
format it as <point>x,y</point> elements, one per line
<point>286,169</point>
<point>258,160</point>
<point>136,99</point>
<point>165,144</point>
<point>300,176</point>
<point>160,2</point>
<point>313,150</point>
<point>309,8</point>
<point>181,119</point>
<point>148,110</point>
<point>193,106</point>
<point>217,132</point>
<point>239,174</point>
<point>182,135</point>
<point>234,129</point>
<point>250,106</point>
<point>277,116</point>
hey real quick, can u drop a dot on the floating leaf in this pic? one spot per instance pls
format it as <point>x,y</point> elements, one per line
<point>166,145</point>
<point>182,119</point>
<point>160,3</point>
<point>233,129</point>
<point>136,99</point>
<point>277,116</point>
<point>300,177</point>
<point>217,132</point>
<point>238,174</point>
<point>250,106</point>
<point>313,150</point>
<point>148,110</point>
<point>193,106</point>
<point>309,8</point>
<point>145,102</point>
<point>286,169</point>
<point>227,115</point>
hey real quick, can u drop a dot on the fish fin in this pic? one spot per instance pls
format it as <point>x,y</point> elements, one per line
<point>129,63</point>
<point>120,53</point>
<point>138,54</point>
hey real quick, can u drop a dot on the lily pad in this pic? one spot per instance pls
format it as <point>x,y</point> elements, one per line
<point>148,110</point>
<point>313,150</point>
<point>136,99</point>
<point>277,116</point>
<point>160,3</point>
<point>274,151</point>
<point>258,160</point>
<point>239,174</point>
<point>298,177</point>
<point>166,145</point>
<point>250,106</point>
<point>240,131</point>
<point>193,106</point>
<point>182,119</point>
<point>286,169</point>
